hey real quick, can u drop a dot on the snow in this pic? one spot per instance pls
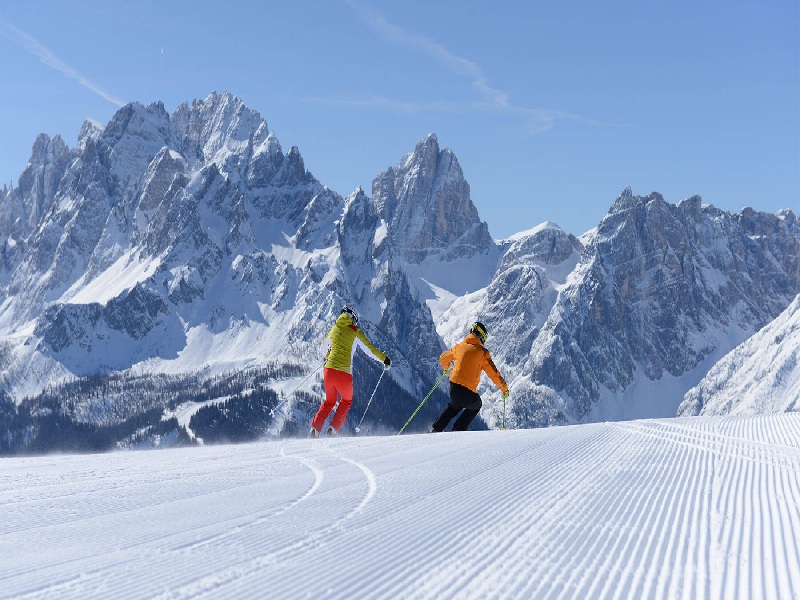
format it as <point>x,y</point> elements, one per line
<point>299,258</point>
<point>704,507</point>
<point>235,347</point>
<point>644,398</point>
<point>442,283</point>
<point>759,376</point>
<point>453,324</point>
<point>647,399</point>
<point>123,275</point>
<point>183,413</point>
<point>529,232</point>
<point>381,234</point>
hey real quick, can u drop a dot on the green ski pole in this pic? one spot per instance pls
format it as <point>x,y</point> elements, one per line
<point>421,403</point>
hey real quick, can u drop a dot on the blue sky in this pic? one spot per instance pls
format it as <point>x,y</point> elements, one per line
<point>552,108</point>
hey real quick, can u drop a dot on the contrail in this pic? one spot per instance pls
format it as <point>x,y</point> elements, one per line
<point>432,48</point>
<point>52,61</point>
<point>534,120</point>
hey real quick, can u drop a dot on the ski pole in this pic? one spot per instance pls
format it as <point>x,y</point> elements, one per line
<point>290,394</point>
<point>358,427</point>
<point>421,403</point>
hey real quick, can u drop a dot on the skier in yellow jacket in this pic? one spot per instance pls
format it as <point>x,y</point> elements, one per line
<point>470,359</point>
<point>338,348</point>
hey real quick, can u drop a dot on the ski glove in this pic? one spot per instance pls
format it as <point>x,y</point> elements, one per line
<point>505,394</point>
<point>387,363</point>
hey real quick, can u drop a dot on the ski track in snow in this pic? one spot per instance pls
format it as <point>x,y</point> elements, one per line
<point>668,508</point>
<point>217,580</point>
<point>319,475</point>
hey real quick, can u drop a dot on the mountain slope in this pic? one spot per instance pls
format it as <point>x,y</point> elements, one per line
<point>700,508</point>
<point>760,376</point>
<point>426,204</point>
<point>190,246</point>
<point>660,293</point>
<point>190,243</point>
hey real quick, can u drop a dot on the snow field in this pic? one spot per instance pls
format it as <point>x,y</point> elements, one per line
<point>704,507</point>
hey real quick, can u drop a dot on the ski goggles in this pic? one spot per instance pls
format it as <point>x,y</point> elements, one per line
<point>480,332</point>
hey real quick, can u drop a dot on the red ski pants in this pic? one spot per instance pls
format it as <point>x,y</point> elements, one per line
<point>337,383</point>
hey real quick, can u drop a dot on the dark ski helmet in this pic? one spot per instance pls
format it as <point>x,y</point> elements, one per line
<point>351,311</point>
<point>479,329</point>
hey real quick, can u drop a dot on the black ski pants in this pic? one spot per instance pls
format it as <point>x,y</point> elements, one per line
<point>461,398</point>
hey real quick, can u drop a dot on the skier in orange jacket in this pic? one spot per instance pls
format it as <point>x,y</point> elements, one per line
<point>471,359</point>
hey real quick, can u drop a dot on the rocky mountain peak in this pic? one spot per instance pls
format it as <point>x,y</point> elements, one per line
<point>660,289</point>
<point>426,202</point>
<point>132,138</point>
<point>191,242</point>
<point>426,151</point>
<point>692,207</point>
<point>47,150</point>
<point>90,133</point>
<point>25,205</point>
<point>215,129</point>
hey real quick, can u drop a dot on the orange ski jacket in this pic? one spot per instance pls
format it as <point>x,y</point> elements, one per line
<point>471,358</point>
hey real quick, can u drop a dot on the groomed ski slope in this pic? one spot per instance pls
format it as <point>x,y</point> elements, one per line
<point>704,507</point>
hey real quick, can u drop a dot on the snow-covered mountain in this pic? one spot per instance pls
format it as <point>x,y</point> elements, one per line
<point>426,204</point>
<point>622,323</point>
<point>190,245</point>
<point>760,376</point>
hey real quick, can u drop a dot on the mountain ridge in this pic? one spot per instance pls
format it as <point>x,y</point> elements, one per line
<point>759,376</point>
<point>190,243</point>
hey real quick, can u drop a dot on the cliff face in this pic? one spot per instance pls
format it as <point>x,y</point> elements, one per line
<point>426,203</point>
<point>191,243</point>
<point>760,376</point>
<point>660,290</point>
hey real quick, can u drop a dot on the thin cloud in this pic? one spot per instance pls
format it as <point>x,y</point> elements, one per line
<point>528,121</point>
<point>457,64</point>
<point>52,61</point>
<point>374,101</point>
<point>534,120</point>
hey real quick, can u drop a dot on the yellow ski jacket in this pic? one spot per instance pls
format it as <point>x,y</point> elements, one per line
<point>341,343</point>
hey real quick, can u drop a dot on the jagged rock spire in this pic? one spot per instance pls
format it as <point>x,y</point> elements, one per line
<point>426,201</point>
